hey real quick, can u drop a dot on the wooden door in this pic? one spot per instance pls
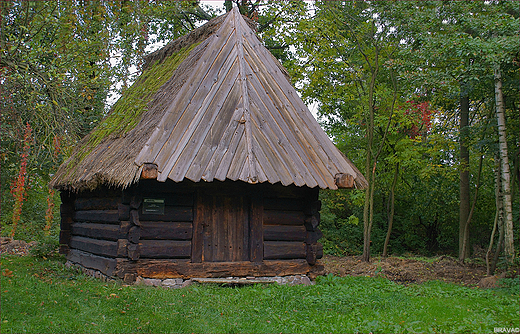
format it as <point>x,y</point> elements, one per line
<point>225,228</point>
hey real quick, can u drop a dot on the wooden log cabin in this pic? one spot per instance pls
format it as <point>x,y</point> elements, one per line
<point>210,165</point>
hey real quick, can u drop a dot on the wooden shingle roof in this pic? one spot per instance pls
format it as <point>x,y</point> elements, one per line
<point>231,113</point>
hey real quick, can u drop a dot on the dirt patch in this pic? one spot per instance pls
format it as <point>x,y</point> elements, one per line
<point>19,247</point>
<point>406,270</point>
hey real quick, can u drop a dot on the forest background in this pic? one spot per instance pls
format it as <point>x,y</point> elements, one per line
<point>423,96</point>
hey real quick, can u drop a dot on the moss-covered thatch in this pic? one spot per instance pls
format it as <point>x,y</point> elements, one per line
<point>107,154</point>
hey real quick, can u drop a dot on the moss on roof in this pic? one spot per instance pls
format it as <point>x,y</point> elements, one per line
<point>128,110</point>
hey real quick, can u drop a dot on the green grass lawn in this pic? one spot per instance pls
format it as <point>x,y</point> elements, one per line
<point>42,296</point>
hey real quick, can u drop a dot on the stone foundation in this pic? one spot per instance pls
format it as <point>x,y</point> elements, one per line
<point>176,283</point>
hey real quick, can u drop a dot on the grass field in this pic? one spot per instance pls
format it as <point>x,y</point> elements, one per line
<point>42,296</point>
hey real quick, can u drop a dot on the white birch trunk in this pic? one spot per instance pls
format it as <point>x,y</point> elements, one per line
<point>505,174</point>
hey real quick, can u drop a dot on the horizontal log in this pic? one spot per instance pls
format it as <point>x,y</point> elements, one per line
<point>91,261</point>
<point>274,250</point>
<point>277,217</point>
<point>285,204</point>
<point>184,269</point>
<point>107,203</point>
<point>284,232</point>
<point>97,231</point>
<point>313,236</point>
<point>94,246</point>
<point>171,214</point>
<point>133,251</point>
<point>100,192</point>
<point>344,181</point>
<point>166,230</point>
<point>164,249</point>
<point>97,216</point>
<point>122,245</point>
<point>314,252</point>
<point>312,222</point>
<point>312,208</point>
<point>124,227</point>
<point>149,172</point>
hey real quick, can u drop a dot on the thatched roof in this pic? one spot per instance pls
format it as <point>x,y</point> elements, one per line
<point>212,105</point>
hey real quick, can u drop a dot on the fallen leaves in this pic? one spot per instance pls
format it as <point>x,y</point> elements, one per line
<point>7,273</point>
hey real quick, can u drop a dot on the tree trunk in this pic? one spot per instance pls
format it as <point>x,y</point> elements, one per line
<point>464,173</point>
<point>391,211</point>
<point>505,173</point>
<point>499,213</point>
<point>465,245</point>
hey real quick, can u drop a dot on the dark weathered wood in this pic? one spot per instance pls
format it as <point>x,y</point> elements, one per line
<point>312,251</point>
<point>66,209</point>
<point>277,217</point>
<point>284,233</point>
<point>124,211</point>
<point>126,196</point>
<point>313,236</point>
<point>97,231</point>
<point>94,246</point>
<point>197,241</point>
<point>104,203</point>
<point>87,260</point>
<point>171,214</point>
<point>149,171</point>
<point>164,249</point>
<point>312,222</point>
<point>64,249</point>
<point>64,237</point>
<point>134,218</point>
<point>133,251</point>
<point>319,251</point>
<point>136,201</point>
<point>122,245</point>
<point>312,208</point>
<point>134,234</point>
<point>284,204</point>
<point>256,231</point>
<point>344,181</point>
<point>166,230</point>
<point>66,222</point>
<point>97,216</point>
<point>124,228</point>
<point>284,250</point>
<point>183,269</point>
<point>226,228</point>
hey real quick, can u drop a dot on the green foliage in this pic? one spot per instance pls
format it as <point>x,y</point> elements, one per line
<point>44,296</point>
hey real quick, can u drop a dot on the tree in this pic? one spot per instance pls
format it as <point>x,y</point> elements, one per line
<point>59,61</point>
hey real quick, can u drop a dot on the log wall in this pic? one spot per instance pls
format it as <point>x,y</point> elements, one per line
<point>290,224</point>
<point>166,234</point>
<point>113,232</point>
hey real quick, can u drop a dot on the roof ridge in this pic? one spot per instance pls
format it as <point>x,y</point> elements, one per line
<point>252,174</point>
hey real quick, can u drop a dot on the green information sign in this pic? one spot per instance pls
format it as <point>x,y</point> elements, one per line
<point>153,206</point>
